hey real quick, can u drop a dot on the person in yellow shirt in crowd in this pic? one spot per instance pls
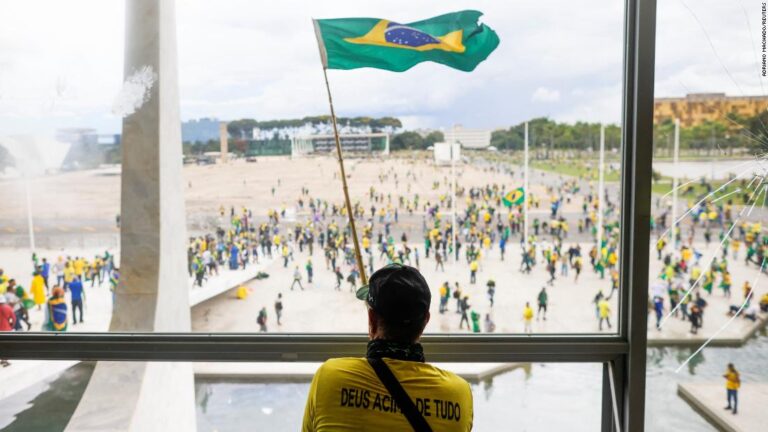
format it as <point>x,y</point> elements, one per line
<point>473,267</point>
<point>747,289</point>
<point>764,303</point>
<point>37,287</point>
<point>735,246</point>
<point>79,266</point>
<point>285,254</point>
<point>3,282</point>
<point>527,318</point>
<point>69,274</point>
<point>725,284</point>
<point>392,388</point>
<point>605,313</point>
<point>732,384</point>
<point>686,254</point>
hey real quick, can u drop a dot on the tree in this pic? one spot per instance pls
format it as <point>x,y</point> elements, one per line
<point>432,138</point>
<point>407,141</point>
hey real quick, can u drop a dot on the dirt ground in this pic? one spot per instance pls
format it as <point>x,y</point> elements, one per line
<point>95,194</point>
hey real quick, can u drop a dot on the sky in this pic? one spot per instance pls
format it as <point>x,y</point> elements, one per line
<point>61,62</point>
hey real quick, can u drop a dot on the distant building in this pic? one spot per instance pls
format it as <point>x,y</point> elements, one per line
<point>697,108</point>
<point>87,149</point>
<point>468,138</point>
<point>202,130</point>
<point>446,153</point>
<point>351,144</point>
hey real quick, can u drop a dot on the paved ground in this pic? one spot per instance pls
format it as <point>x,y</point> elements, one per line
<point>68,208</point>
<point>709,400</point>
<point>321,308</point>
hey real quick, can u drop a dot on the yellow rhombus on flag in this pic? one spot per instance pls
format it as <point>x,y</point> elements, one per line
<point>514,197</point>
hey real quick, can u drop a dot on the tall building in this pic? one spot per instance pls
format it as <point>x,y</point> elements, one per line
<point>697,108</point>
<point>468,138</point>
<point>202,130</point>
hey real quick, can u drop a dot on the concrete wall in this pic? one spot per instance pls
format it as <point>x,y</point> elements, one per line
<point>153,294</point>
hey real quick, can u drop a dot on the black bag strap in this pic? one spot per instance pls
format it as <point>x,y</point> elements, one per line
<point>398,393</point>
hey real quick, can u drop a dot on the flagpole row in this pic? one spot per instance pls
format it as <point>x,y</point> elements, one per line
<point>358,256</point>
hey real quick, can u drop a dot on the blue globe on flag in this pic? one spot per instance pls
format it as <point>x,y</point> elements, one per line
<point>407,36</point>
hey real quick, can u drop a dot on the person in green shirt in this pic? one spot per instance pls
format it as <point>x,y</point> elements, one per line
<point>543,299</point>
<point>475,322</point>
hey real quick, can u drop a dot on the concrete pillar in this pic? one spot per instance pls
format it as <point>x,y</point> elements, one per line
<point>224,142</point>
<point>153,294</point>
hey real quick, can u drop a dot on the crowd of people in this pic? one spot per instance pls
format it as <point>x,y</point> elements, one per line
<point>430,230</point>
<point>687,279</point>
<point>406,228</point>
<point>56,290</point>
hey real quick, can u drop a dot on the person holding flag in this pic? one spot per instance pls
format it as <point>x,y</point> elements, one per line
<point>458,41</point>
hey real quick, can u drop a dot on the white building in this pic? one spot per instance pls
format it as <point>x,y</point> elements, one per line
<point>468,138</point>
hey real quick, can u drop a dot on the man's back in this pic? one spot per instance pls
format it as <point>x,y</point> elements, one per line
<point>346,394</point>
<point>76,290</point>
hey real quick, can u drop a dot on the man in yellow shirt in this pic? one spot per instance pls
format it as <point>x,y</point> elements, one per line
<point>605,313</point>
<point>392,389</point>
<point>79,266</point>
<point>527,318</point>
<point>732,384</point>
<point>473,266</point>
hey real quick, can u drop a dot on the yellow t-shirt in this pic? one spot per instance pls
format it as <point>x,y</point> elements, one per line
<point>527,313</point>
<point>605,308</point>
<point>79,266</point>
<point>347,395</point>
<point>732,381</point>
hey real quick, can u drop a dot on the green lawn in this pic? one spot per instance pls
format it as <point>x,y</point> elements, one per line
<point>696,190</point>
<point>577,168</point>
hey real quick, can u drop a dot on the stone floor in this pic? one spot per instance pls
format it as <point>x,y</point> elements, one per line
<point>322,308</point>
<point>709,399</point>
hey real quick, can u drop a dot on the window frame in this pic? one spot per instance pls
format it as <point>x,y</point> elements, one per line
<point>623,354</point>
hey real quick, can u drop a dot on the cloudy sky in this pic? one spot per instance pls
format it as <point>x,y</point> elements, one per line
<point>61,61</point>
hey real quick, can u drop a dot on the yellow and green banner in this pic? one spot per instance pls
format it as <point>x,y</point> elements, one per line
<point>456,40</point>
<point>514,197</point>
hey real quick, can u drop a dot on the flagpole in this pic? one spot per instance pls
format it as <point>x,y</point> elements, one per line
<point>453,202</point>
<point>675,182</point>
<point>358,256</point>
<point>30,224</point>
<point>525,189</point>
<point>601,191</point>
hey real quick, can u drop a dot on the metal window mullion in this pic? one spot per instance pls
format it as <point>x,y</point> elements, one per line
<point>299,347</point>
<point>637,132</point>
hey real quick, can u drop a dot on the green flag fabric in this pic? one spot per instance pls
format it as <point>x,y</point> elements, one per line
<point>514,197</point>
<point>456,40</point>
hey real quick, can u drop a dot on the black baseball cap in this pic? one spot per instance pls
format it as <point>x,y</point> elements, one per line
<point>398,293</point>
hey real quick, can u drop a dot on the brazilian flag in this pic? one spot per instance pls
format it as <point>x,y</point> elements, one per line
<point>456,40</point>
<point>514,197</point>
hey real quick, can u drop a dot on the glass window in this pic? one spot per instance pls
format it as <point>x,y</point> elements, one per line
<point>517,393</point>
<point>238,397</point>
<point>268,210</point>
<point>707,275</point>
<point>402,194</point>
<point>231,200</point>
